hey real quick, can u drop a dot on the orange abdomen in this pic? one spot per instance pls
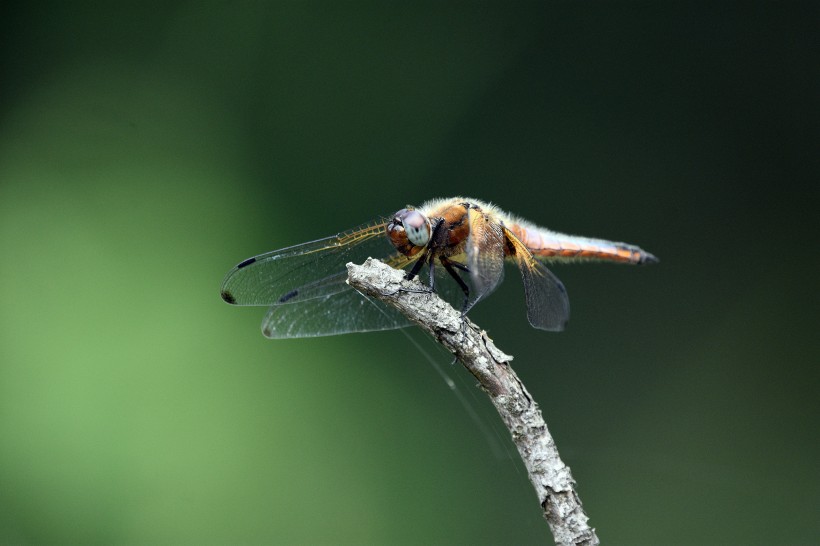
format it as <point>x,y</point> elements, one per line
<point>550,245</point>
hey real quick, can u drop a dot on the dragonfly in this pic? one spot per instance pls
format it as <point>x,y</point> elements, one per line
<point>465,239</point>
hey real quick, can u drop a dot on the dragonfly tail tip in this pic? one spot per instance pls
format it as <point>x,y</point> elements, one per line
<point>648,258</point>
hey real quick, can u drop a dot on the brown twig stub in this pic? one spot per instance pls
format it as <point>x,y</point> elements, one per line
<point>491,367</point>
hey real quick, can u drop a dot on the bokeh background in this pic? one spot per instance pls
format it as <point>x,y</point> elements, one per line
<point>147,147</point>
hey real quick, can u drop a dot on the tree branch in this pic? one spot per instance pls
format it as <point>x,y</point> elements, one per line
<point>475,350</point>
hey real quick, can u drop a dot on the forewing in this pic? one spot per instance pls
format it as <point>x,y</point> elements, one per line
<point>309,270</point>
<point>305,285</point>
<point>547,299</point>
<point>485,254</point>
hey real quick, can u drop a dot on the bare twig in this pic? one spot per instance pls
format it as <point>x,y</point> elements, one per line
<point>549,475</point>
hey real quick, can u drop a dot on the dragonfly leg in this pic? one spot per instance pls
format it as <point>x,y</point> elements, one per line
<point>414,272</point>
<point>416,268</point>
<point>460,266</point>
<point>432,275</point>
<point>451,266</point>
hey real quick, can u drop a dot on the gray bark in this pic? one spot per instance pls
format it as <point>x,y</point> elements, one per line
<point>491,367</point>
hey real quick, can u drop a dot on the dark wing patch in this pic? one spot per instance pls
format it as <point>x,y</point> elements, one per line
<point>247,262</point>
<point>228,297</point>
<point>289,295</point>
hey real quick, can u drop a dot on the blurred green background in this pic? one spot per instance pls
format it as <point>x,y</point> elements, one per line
<point>147,147</point>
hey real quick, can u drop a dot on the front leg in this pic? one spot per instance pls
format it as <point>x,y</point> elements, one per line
<point>414,272</point>
<point>410,275</point>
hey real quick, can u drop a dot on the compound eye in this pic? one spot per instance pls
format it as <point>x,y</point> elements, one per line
<point>416,226</point>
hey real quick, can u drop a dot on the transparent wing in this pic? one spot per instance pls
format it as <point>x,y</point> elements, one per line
<point>547,299</point>
<point>342,312</point>
<point>305,271</point>
<point>485,255</point>
<point>306,289</point>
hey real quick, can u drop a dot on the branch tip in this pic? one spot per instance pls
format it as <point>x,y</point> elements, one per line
<point>472,346</point>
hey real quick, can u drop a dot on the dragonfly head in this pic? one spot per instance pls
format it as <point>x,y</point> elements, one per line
<point>409,231</point>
